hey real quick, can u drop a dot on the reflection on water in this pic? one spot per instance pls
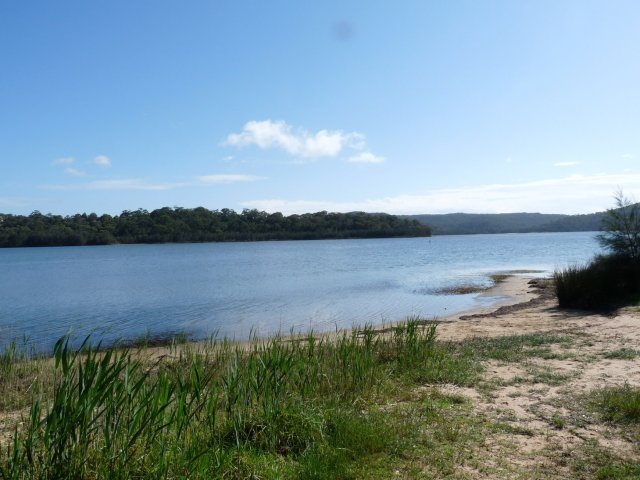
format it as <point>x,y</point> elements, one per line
<point>234,288</point>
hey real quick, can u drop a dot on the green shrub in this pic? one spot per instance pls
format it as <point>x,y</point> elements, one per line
<point>606,283</point>
<point>621,228</point>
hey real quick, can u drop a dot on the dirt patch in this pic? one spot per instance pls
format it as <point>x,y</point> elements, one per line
<point>540,400</point>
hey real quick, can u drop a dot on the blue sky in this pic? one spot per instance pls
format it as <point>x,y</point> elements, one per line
<point>402,107</point>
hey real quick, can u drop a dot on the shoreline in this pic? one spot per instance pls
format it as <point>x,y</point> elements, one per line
<point>526,415</point>
<point>509,289</point>
<point>512,291</point>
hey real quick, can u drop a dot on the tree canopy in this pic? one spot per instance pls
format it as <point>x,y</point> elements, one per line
<point>621,228</point>
<point>180,225</point>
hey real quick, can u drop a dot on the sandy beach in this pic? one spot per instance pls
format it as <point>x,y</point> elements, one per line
<point>546,410</point>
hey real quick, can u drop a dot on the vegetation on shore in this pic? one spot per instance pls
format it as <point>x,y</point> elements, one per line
<point>179,225</point>
<point>480,223</point>
<point>612,280</point>
<point>366,404</point>
<point>606,283</point>
<point>297,408</point>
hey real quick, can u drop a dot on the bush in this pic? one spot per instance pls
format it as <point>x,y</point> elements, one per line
<point>613,280</point>
<point>606,283</point>
<point>621,228</point>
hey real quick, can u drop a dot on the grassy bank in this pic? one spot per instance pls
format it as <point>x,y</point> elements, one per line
<point>367,404</point>
<point>301,408</point>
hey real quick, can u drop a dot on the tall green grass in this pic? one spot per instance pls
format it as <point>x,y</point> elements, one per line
<point>20,368</point>
<point>213,410</point>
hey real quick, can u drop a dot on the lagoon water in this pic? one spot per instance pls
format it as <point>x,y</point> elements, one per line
<point>234,289</point>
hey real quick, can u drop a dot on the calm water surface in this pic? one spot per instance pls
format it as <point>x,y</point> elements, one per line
<point>123,291</point>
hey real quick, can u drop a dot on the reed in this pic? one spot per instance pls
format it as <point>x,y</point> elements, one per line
<point>209,410</point>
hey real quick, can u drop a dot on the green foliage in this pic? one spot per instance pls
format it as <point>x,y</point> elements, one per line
<point>594,461</point>
<point>514,348</point>
<point>608,281</point>
<point>623,471</point>
<point>621,228</point>
<point>472,223</point>
<point>167,225</point>
<point>558,422</point>
<point>8,359</point>
<point>622,354</point>
<point>618,404</point>
<point>604,284</point>
<point>297,408</point>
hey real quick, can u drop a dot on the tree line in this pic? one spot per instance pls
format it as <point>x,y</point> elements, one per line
<point>473,223</point>
<point>182,225</point>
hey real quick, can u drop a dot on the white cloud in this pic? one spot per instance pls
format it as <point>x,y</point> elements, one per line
<point>227,178</point>
<point>74,172</point>
<point>627,156</point>
<point>365,157</point>
<point>125,184</point>
<point>509,160</point>
<point>63,161</point>
<point>103,161</point>
<point>268,134</point>
<point>140,184</point>
<point>100,160</point>
<point>572,194</point>
<point>565,164</point>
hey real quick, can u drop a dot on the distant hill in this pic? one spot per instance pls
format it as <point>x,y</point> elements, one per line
<point>470,223</point>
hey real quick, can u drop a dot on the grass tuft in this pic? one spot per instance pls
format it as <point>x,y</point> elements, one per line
<point>618,404</point>
<point>622,354</point>
<point>515,348</point>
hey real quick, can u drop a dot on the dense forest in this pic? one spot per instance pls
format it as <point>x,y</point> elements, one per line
<point>471,223</point>
<point>177,225</point>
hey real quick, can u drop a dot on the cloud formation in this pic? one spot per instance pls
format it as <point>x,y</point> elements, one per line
<point>63,161</point>
<point>298,142</point>
<point>565,164</point>
<point>103,161</point>
<point>124,184</point>
<point>572,194</point>
<point>365,157</point>
<point>141,184</point>
<point>74,172</point>
<point>227,178</point>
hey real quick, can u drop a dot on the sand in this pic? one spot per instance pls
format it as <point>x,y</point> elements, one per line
<point>550,412</point>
